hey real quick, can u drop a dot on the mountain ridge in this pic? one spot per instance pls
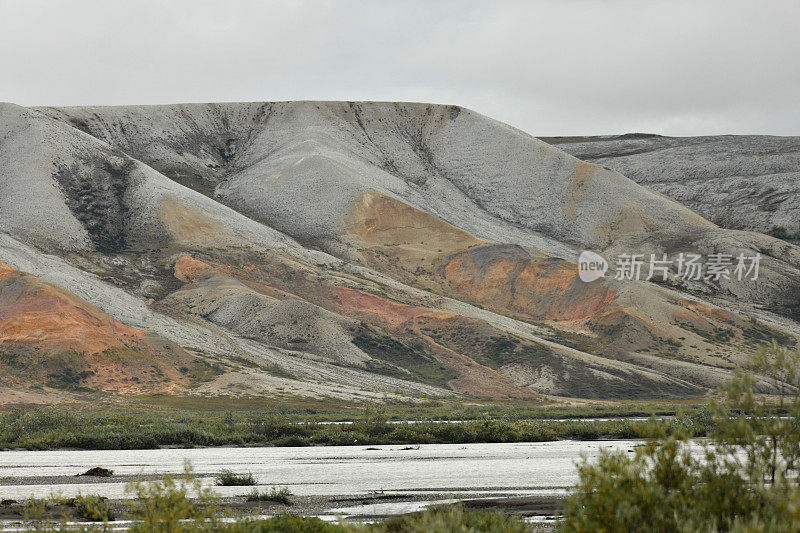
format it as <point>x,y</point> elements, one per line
<point>426,246</point>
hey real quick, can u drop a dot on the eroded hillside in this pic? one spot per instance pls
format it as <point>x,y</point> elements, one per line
<point>363,251</point>
<point>748,182</point>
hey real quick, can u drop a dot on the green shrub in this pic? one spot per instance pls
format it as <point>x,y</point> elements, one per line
<point>34,509</point>
<point>227,478</point>
<point>165,505</point>
<point>280,495</point>
<point>93,507</point>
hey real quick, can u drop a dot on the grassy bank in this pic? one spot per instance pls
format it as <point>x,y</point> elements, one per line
<point>332,410</point>
<point>59,428</point>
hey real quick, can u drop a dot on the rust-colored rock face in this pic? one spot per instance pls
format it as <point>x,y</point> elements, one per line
<point>402,322</point>
<point>53,333</point>
<point>528,284</point>
<point>428,252</point>
<point>39,313</point>
<point>511,278</point>
<point>390,313</point>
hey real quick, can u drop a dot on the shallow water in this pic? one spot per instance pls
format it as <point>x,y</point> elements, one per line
<point>480,469</point>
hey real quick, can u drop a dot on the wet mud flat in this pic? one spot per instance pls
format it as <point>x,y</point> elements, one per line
<point>361,508</point>
<point>354,482</point>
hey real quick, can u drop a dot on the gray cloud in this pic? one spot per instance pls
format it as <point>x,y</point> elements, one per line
<point>549,68</point>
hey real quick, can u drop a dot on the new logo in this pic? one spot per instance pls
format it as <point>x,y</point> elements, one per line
<point>591,266</point>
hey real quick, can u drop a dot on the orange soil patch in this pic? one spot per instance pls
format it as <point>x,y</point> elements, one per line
<point>188,269</point>
<point>115,372</point>
<point>401,240</point>
<point>431,253</point>
<point>434,254</point>
<point>536,288</point>
<point>352,301</point>
<point>48,328</point>
<point>39,313</point>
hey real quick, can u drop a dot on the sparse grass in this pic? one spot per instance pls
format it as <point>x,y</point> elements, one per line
<point>227,478</point>
<point>280,495</point>
<point>92,507</point>
<point>450,518</point>
<point>164,505</point>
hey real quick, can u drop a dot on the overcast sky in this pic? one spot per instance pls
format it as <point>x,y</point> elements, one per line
<point>549,68</point>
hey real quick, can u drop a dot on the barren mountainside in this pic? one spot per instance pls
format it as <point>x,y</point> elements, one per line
<point>367,251</point>
<point>749,182</point>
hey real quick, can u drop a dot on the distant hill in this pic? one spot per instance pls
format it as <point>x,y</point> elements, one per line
<point>747,182</point>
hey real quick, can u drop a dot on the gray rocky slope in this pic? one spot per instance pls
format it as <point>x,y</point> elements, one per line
<point>749,182</point>
<point>367,249</point>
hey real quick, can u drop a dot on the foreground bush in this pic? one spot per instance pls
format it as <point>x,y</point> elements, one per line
<point>446,519</point>
<point>744,479</point>
<point>172,505</point>
<point>93,508</point>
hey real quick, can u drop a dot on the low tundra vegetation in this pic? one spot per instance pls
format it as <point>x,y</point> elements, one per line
<point>48,428</point>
